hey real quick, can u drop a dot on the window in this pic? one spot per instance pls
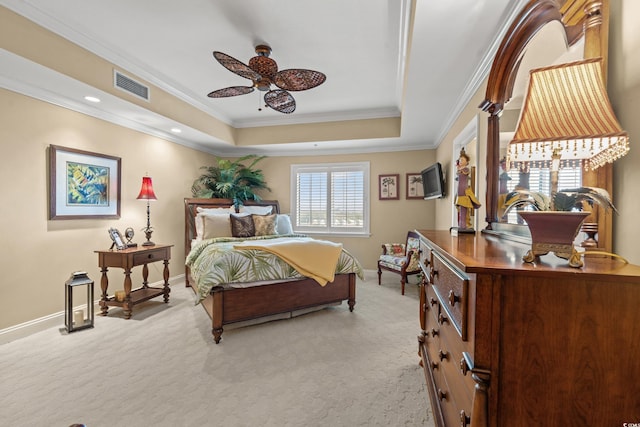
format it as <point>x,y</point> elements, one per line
<point>539,180</point>
<point>330,198</point>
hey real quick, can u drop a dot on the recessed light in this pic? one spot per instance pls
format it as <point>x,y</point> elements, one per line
<point>92,99</point>
<point>176,130</point>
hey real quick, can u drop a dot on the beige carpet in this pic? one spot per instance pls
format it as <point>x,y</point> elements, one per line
<point>162,368</point>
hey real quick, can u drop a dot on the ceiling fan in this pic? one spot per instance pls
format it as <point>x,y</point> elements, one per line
<point>263,72</point>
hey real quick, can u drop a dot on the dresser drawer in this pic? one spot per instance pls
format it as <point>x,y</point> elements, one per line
<point>432,303</point>
<point>150,256</point>
<point>452,391</point>
<point>425,258</point>
<point>451,287</point>
<point>454,412</point>
<point>453,367</point>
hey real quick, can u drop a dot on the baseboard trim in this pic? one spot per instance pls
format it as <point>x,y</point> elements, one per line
<point>31,327</point>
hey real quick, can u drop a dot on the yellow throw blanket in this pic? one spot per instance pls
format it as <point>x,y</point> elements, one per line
<point>310,257</point>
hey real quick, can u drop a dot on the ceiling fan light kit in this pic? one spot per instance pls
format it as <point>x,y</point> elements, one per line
<point>263,72</point>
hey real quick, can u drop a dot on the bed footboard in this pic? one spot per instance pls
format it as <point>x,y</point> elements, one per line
<point>231,305</point>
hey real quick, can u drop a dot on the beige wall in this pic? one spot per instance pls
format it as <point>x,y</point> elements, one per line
<point>38,255</point>
<point>624,91</point>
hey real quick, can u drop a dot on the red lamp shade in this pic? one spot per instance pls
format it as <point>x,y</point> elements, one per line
<point>146,192</point>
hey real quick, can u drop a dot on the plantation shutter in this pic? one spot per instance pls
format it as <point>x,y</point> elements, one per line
<point>330,198</point>
<point>347,201</point>
<point>312,199</point>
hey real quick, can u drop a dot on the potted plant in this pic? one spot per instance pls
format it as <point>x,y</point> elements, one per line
<point>554,222</point>
<point>231,180</point>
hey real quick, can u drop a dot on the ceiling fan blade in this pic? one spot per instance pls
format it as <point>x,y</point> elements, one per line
<point>235,66</point>
<point>298,79</point>
<point>230,91</point>
<point>280,100</point>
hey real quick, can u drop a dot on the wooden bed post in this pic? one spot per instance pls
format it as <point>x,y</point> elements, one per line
<point>217,312</point>
<point>352,291</point>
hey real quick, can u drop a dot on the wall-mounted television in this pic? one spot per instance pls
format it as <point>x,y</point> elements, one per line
<point>433,182</point>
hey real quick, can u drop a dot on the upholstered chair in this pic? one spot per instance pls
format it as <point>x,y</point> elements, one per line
<point>401,258</point>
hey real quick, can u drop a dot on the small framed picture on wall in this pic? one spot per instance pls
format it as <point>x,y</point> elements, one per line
<point>415,190</point>
<point>388,187</point>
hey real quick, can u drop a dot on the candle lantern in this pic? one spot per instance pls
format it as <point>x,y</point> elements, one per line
<point>76,320</point>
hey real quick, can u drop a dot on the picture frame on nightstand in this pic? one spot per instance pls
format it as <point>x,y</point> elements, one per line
<point>117,239</point>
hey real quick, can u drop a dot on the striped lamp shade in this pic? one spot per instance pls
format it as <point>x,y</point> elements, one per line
<point>567,110</point>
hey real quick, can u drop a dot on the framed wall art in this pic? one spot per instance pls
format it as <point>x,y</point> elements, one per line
<point>83,184</point>
<point>415,190</point>
<point>388,186</point>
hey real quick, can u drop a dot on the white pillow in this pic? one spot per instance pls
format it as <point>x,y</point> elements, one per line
<point>216,226</point>
<point>283,224</point>
<point>257,210</point>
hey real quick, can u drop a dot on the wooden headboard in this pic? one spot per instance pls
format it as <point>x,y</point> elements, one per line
<point>191,210</point>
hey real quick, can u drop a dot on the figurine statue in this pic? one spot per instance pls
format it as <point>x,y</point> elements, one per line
<point>466,200</point>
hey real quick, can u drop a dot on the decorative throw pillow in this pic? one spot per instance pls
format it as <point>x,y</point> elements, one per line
<point>256,210</point>
<point>202,212</point>
<point>242,226</point>
<point>216,226</point>
<point>395,248</point>
<point>284,224</point>
<point>265,225</point>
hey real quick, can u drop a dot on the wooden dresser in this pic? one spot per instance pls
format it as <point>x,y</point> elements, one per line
<point>506,343</point>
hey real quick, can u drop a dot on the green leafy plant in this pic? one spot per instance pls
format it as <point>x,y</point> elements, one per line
<point>572,199</point>
<point>231,180</point>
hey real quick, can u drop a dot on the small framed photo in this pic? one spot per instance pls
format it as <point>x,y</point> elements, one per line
<point>388,187</point>
<point>83,184</point>
<point>117,239</point>
<point>415,190</point>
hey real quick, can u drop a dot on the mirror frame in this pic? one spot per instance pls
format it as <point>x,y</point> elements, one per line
<point>580,18</point>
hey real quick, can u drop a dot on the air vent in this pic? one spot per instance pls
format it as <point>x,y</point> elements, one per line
<point>129,85</point>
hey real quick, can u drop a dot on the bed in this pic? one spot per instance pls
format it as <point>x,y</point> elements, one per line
<point>233,301</point>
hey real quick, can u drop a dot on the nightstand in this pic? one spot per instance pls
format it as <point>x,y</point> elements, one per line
<point>127,259</point>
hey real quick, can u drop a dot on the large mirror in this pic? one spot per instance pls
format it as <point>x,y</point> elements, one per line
<point>545,33</point>
<point>548,47</point>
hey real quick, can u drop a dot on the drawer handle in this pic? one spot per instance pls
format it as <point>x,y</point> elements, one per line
<point>464,419</point>
<point>425,308</point>
<point>443,355</point>
<point>453,298</point>
<point>463,367</point>
<point>442,395</point>
<point>150,256</point>
<point>433,301</point>
<point>434,332</point>
<point>442,319</point>
<point>434,366</point>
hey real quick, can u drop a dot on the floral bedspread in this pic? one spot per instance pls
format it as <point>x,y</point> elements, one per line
<point>215,262</point>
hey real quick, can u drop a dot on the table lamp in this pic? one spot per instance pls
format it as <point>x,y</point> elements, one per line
<point>146,193</point>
